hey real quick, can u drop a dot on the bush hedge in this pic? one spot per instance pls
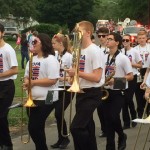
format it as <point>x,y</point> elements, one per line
<point>49,29</point>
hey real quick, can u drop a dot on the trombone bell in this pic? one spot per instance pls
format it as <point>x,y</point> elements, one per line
<point>29,103</point>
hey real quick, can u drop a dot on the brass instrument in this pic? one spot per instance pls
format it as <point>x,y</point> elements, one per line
<point>140,128</point>
<point>75,80</point>
<point>105,92</point>
<point>29,103</point>
<point>76,58</point>
<point>63,109</point>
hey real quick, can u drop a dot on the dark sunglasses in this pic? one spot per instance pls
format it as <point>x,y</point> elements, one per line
<point>34,42</point>
<point>103,36</point>
<point>125,40</point>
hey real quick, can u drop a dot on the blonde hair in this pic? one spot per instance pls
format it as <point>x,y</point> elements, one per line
<point>64,39</point>
<point>142,32</point>
<point>88,26</point>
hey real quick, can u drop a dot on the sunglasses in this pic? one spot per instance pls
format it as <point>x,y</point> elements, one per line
<point>103,36</point>
<point>34,42</point>
<point>125,40</point>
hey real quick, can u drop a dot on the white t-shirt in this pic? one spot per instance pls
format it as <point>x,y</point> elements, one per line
<point>148,80</point>
<point>134,57</point>
<point>64,61</point>
<point>44,68</point>
<point>8,59</point>
<point>122,67</point>
<point>104,49</point>
<point>91,58</point>
<point>144,52</point>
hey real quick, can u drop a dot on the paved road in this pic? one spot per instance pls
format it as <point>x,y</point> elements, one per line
<point>51,133</point>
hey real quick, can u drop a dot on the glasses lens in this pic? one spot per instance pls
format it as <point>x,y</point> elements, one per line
<point>103,36</point>
<point>125,40</point>
<point>34,42</point>
<point>110,39</point>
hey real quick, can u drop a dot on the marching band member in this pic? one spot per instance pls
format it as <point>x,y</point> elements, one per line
<point>8,73</point>
<point>45,73</point>
<point>144,50</point>
<point>91,78</point>
<point>102,34</point>
<point>120,64</point>
<point>61,43</point>
<point>136,62</point>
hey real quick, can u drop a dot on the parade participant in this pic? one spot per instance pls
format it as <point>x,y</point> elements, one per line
<point>144,50</point>
<point>119,64</point>
<point>136,62</point>
<point>24,50</point>
<point>45,74</point>
<point>61,44</point>
<point>91,78</point>
<point>102,34</point>
<point>8,73</point>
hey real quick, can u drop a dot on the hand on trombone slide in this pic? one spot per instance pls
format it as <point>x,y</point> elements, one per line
<point>147,94</point>
<point>26,83</point>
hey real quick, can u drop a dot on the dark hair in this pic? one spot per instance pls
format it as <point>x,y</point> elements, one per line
<point>46,44</point>
<point>117,38</point>
<point>2,28</point>
<point>104,30</point>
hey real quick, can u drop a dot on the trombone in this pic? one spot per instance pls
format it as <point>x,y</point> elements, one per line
<point>63,109</point>
<point>29,103</point>
<point>75,81</point>
<point>140,127</point>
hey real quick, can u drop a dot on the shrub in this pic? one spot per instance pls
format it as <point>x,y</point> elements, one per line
<point>49,29</point>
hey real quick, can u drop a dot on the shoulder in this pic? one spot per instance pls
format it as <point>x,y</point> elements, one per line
<point>8,47</point>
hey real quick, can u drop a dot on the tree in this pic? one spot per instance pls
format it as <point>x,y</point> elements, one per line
<point>64,12</point>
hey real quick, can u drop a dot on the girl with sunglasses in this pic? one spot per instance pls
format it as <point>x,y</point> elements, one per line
<point>136,62</point>
<point>45,74</point>
<point>61,44</point>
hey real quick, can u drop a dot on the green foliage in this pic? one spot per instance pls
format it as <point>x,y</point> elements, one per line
<point>49,29</point>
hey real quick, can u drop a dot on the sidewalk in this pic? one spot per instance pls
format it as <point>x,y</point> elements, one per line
<point>51,133</point>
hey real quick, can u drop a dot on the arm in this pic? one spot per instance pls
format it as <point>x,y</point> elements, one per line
<point>137,65</point>
<point>10,72</point>
<point>95,76</point>
<point>129,76</point>
<point>45,82</point>
<point>142,86</point>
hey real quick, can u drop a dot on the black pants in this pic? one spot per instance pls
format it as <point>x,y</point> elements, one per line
<point>24,55</point>
<point>83,126</point>
<point>37,117</point>
<point>101,117</point>
<point>58,112</point>
<point>139,93</point>
<point>129,104</point>
<point>7,90</point>
<point>112,108</point>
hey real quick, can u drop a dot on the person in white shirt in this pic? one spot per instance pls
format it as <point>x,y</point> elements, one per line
<point>8,73</point>
<point>91,78</point>
<point>102,34</point>
<point>144,50</point>
<point>136,61</point>
<point>45,74</point>
<point>61,44</point>
<point>117,63</point>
